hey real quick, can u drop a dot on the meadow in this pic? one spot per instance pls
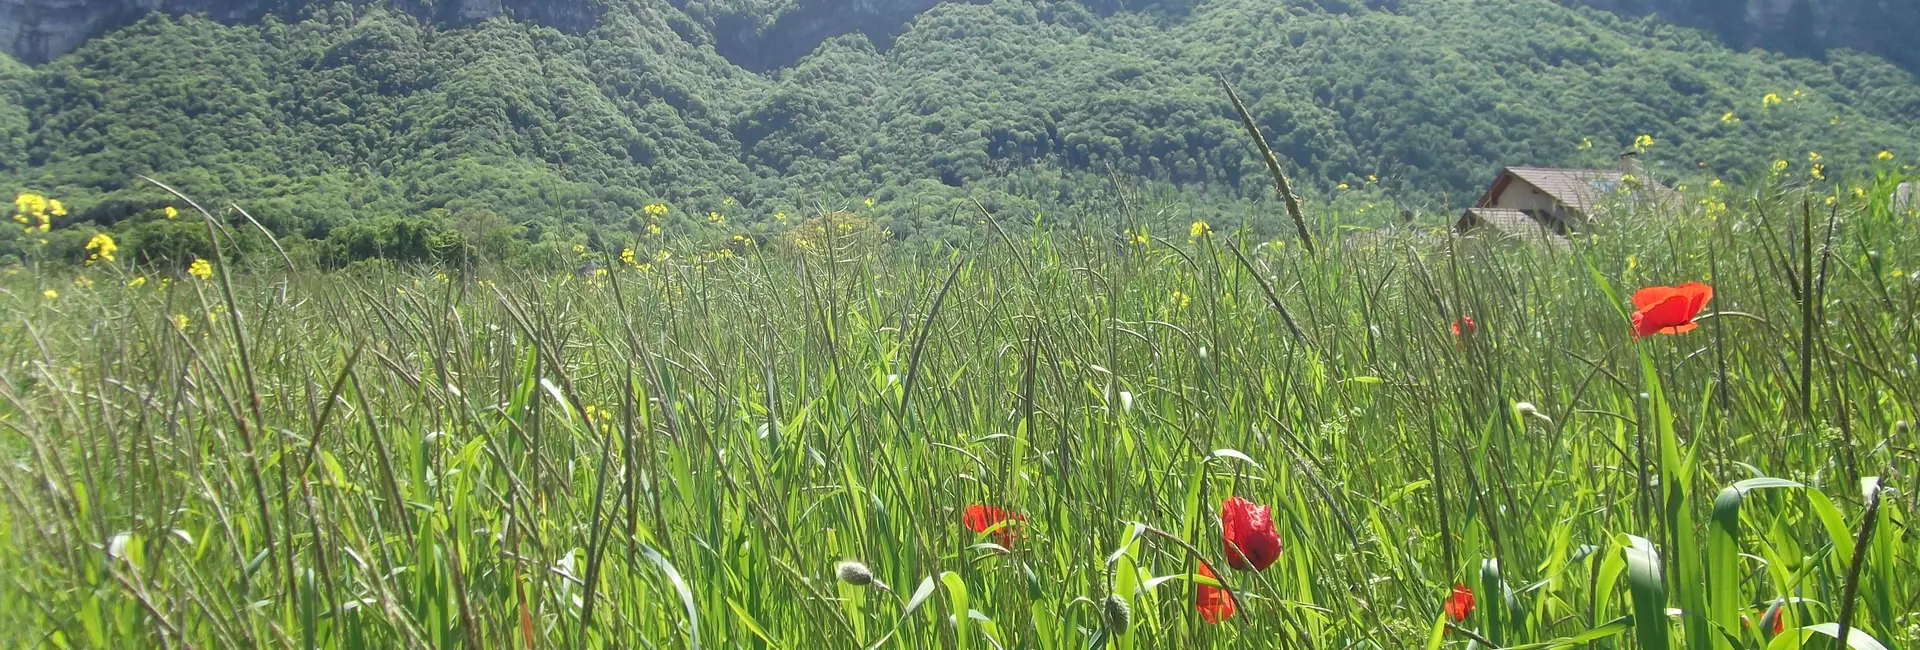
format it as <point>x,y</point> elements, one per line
<point>830,440</point>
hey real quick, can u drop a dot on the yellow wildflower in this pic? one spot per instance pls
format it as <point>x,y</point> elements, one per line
<point>1585,144</point>
<point>1180,300</point>
<point>1859,192</point>
<point>51,294</point>
<point>1643,142</point>
<point>1730,118</point>
<point>56,208</point>
<point>29,203</point>
<point>727,201</point>
<point>1813,156</point>
<point>869,202</point>
<point>137,282</point>
<point>1137,238</point>
<point>83,282</point>
<point>171,213</point>
<point>1341,186</point>
<point>1819,171</point>
<point>1885,155</point>
<point>180,321</point>
<point>1771,99</point>
<point>200,268</point>
<point>1199,229</point>
<point>626,256</point>
<point>714,217</point>
<point>653,229</point>
<point>779,216</point>
<point>1372,178</point>
<point>1830,199</point>
<point>1779,165</point>
<point>101,247</point>
<point>1716,184</point>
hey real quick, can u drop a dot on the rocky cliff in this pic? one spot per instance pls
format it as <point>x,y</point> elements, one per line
<point>1888,28</point>
<point>35,31</point>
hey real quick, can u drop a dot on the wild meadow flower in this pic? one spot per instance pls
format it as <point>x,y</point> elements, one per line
<point>1585,144</point>
<point>1214,603</point>
<point>1780,165</point>
<point>180,321</point>
<point>51,294</point>
<point>200,268</point>
<point>1464,325</point>
<point>1669,310</point>
<point>1199,229</point>
<point>1341,186</point>
<point>1771,99</point>
<point>101,248</point>
<point>1643,142</point>
<point>1819,171</point>
<point>869,202</point>
<point>1885,155</point>
<point>1004,524</point>
<point>171,213</point>
<point>1730,118</point>
<point>1247,536</point>
<point>137,282</point>
<point>1460,604</point>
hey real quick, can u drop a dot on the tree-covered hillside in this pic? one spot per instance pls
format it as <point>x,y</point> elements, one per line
<point>359,133</point>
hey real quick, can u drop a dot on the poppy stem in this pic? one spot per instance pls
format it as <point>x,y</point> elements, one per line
<point>1190,549</point>
<point>1489,645</point>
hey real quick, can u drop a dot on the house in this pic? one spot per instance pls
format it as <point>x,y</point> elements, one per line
<point>1532,200</point>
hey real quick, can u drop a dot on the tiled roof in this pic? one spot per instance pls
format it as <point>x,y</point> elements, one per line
<point>1580,189</point>
<point>1512,222</point>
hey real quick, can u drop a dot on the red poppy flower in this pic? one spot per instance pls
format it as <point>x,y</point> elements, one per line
<point>1775,615</point>
<point>1215,604</point>
<point>979,519</point>
<point>1247,536</point>
<point>1461,604</point>
<point>1463,324</point>
<point>1669,310</point>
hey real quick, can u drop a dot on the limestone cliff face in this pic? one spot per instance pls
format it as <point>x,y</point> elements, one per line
<point>1888,28</point>
<point>36,31</point>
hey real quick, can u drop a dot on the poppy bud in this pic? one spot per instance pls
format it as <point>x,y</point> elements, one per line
<point>854,573</point>
<point>1529,410</point>
<point>1119,616</point>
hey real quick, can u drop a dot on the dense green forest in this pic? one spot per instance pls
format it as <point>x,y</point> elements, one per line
<point>356,133</point>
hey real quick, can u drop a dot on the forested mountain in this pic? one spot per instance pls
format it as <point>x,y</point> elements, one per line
<point>375,130</point>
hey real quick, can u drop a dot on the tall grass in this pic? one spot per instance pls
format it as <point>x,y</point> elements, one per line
<point>680,457</point>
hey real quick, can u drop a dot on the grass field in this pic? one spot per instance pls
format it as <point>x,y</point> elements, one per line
<point>683,455</point>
